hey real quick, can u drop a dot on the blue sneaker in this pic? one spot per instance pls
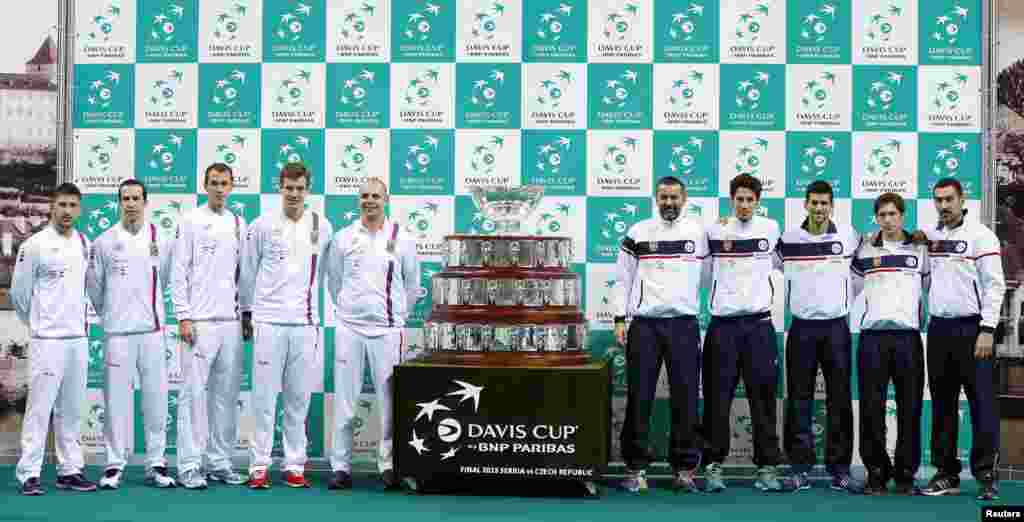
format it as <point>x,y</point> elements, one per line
<point>636,482</point>
<point>798,481</point>
<point>768,480</point>
<point>713,482</point>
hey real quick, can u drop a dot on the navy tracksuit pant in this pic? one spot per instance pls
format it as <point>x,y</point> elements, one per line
<point>737,347</point>
<point>812,343</point>
<point>951,364</point>
<point>676,342</point>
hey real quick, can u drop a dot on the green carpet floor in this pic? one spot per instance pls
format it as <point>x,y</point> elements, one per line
<point>369,503</point>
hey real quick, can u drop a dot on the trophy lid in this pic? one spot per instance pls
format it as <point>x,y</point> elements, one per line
<point>507,206</point>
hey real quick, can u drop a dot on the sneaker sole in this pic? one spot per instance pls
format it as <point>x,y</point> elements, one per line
<point>32,493</point>
<point>261,486</point>
<point>109,486</point>
<point>954,491</point>
<point>298,486</point>
<point>203,486</point>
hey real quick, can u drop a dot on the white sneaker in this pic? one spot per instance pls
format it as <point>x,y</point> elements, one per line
<point>157,477</point>
<point>111,479</point>
<point>226,476</point>
<point>192,479</point>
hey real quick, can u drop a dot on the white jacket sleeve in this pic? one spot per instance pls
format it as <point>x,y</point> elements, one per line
<point>252,258</point>
<point>96,277</point>
<point>327,236</point>
<point>856,274</point>
<point>411,276</point>
<point>335,266</point>
<point>166,247</point>
<point>990,275</point>
<point>23,281</point>
<point>181,269</point>
<point>625,272</point>
<point>244,298</point>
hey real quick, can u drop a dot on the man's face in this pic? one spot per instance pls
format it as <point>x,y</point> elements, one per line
<point>294,192</point>
<point>132,204</point>
<point>218,186</point>
<point>949,205</point>
<point>819,208</point>
<point>65,209</point>
<point>889,218</point>
<point>670,199</point>
<point>744,203</point>
<point>372,199</point>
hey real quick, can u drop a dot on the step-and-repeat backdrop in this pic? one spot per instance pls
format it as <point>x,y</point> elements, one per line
<point>595,100</point>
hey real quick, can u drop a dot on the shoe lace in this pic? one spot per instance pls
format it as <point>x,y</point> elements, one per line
<point>943,482</point>
<point>110,473</point>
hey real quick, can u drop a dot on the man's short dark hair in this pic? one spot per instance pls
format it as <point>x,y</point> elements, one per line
<point>670,181</point>
<point>949,182</point>
<point>66,189</point>
<point>819,187</point>
<point>890,197</point>
<point>219,167</point>
<point>295,170</point>
<point>132,183</point>
<point>745,181</point>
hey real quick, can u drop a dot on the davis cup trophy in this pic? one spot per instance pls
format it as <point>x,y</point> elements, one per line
<point>506,299</point>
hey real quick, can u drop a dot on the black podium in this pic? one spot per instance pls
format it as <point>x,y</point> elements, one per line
<point>458,425</point>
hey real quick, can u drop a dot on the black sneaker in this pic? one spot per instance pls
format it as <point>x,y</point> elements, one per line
<point>876,485</point>
<point>390,480</point>
<point>76,482</point>
<point>987,488</point>
<point>942,484</point>
<point>844,482</point>
<point>32,487</point>
<point>340,480</point>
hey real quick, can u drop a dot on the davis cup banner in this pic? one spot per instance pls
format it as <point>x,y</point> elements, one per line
<point>593,99</point>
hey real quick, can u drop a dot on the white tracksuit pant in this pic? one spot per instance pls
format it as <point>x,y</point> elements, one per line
<point>350,349</point>
<point>207,411</point>
<point>284,361</point>
<point>57,379</point>
<point>126,355</point>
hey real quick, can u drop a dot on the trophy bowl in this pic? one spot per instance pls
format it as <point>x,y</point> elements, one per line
<point>507,206</point>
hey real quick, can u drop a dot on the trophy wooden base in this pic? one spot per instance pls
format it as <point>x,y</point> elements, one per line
<point>506,359</point>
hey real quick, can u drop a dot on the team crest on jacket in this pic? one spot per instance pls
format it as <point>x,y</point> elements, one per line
<point>961,246</point>
<point>654,247</point>
<point>688,247</point>
<point>727,245</point>
<point>837,248</point>
<point>912,262</point>
<point>153,250</point>
<point>877,262</point>
<point>762,245</point>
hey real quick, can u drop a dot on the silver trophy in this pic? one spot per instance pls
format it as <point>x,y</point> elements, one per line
<point>507,207</point>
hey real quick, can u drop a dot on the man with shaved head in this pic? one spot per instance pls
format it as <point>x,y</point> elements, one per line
<point>373,279</point>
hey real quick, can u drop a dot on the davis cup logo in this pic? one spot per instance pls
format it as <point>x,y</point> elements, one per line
<point>818,94</point>
<point>101,92</point>
<point>419,220</point>
<point>163,154</point>
<point>815,160</point>
<point>163,92</point>
<point>485,22</point>
<point>166,217</point>
<point>881,160</point>
<point>291,23</point>
<point>103,24</point>
<point>817,25</point>
<point>354,93</point>
<point>617,159</point>
<point>748,157</point>
<point>96,352</point>
<point>100,157</point>
<point>615,224</point>
<point>291,93</point>
<point>748,92</point>
<point>164,25</point>
<point>485,156</point>
<point>420,91</point>
<point>551,91</point>
<point>684,24</point>
<point>95,419</point>
<point>228,153</point>
<point>229,21</point>
<point>681,95</point>
<point>418,25</point>
<point>616,93</point>
<point>947,95</point>
<point>99,220</point>
<point>486,91</point>
<point>618,25</point>
<point>947,26</point>
<point>228,91</point>
<point>486,226</point>
<point>551,23</point>
<point>948,159</point>
<point>549,155</point>
<point>448,430</point>
<point>419,157</point>
<point>750,24</point>
<point>551,222</point>
<point>292,152</point>
<point>355,156</point>
<point>880,24</point>
<point>684,156</point>
<point>882,94</point>
<point>353,25</point>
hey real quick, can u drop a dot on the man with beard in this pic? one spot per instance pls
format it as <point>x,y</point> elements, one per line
<point>373,280</point>
<point>658,277</point>
<point>740,341</point>
<point>816,262</point>
<point>964,304</point>
<point>48,290</point>
<point>128,273</point>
